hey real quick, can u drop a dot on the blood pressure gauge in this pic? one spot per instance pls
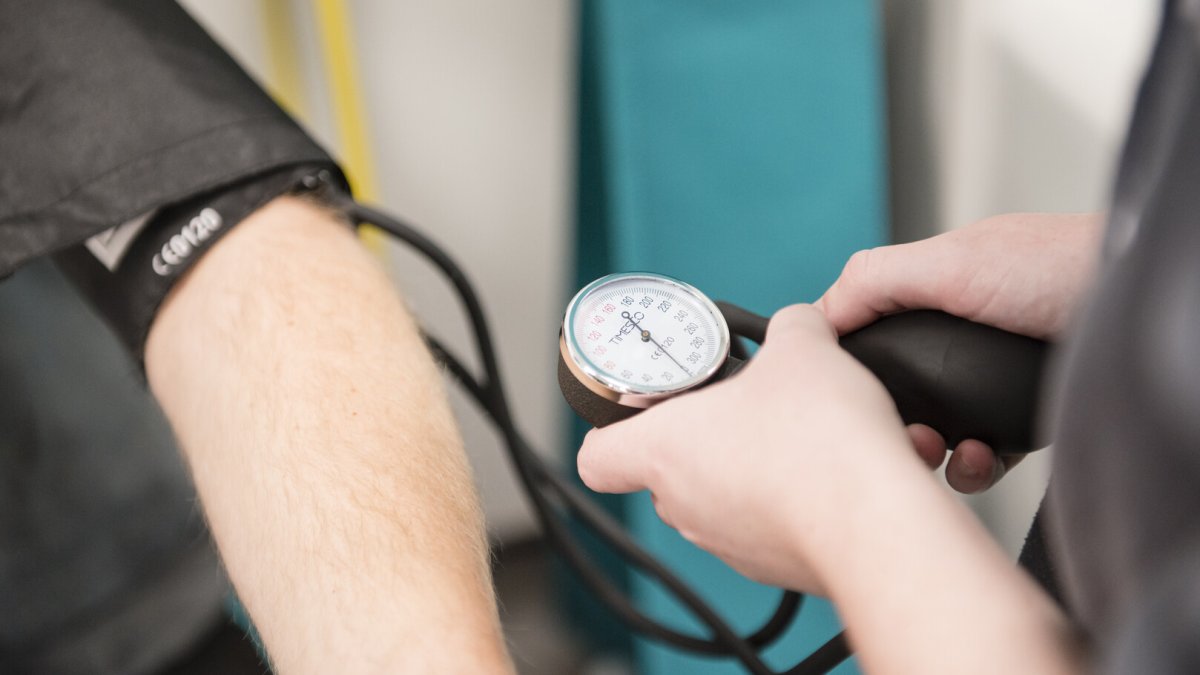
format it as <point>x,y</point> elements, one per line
<point>631,340</point>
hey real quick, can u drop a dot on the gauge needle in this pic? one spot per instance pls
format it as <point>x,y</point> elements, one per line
<point>647,337</point>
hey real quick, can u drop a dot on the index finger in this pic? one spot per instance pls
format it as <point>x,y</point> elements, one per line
<point>876,282</point>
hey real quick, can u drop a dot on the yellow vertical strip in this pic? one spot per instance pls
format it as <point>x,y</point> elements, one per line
<point>341,71</point>
<point>283,58</point>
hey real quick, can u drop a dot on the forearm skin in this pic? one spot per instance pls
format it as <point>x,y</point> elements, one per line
<point>922,587</point>
<point>325,455</point>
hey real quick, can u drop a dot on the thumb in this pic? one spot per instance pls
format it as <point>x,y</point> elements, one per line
<point>615,458</point>
<point>799,321</point>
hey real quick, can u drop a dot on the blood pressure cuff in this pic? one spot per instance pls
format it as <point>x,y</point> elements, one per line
<point>127,271</point>
<point>131,143</point>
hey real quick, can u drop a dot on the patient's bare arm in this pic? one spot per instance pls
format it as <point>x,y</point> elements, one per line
<point>324,453</point>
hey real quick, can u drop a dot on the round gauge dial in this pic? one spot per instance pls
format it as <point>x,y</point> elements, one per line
<point>638,337</point>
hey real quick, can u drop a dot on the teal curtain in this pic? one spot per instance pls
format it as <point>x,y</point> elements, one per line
<point>740,147</point>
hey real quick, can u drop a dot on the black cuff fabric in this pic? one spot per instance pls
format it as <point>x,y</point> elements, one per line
<point>127,282</point>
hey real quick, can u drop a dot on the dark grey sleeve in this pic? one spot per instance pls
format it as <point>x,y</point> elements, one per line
<point>112,109</point>
<point>131,143</point>
<point>1162,634</point>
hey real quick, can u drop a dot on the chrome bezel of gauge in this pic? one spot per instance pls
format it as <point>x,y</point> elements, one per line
<point>616,390</point>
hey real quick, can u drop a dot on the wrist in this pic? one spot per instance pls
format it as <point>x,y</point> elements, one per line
<point>911,550</point>
<point>874,510</point>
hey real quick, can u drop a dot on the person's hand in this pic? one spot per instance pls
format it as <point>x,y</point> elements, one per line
<point>1023,273</point>
<point>764,469</point>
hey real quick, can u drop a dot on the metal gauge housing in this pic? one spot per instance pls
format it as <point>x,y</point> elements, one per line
<point>636,338</point>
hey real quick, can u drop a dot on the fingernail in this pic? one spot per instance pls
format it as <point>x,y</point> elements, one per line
<point>971,478</point>
<point>970,469</point>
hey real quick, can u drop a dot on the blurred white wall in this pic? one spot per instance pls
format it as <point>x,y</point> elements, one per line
<point>469,113</point>
<point>995,107</point>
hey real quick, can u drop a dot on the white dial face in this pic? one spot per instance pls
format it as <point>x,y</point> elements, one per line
<point>646,333</point>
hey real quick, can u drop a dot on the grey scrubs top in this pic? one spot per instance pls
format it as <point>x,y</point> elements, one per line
<point>1123,509</point>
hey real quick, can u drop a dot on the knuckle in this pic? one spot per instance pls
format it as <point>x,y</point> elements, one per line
<point>861,266</point>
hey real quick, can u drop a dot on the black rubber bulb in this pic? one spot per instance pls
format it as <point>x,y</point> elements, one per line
<point>964,379</point>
